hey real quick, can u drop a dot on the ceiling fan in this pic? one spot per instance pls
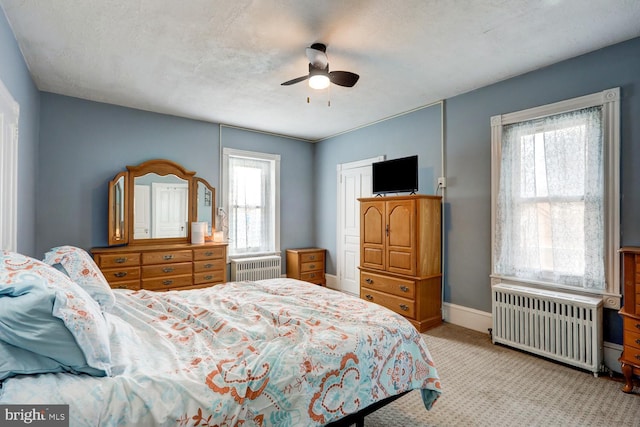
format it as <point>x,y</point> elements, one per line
<point>319,75</point>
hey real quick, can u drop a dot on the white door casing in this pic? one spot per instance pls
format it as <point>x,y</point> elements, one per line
<point>354,181</point>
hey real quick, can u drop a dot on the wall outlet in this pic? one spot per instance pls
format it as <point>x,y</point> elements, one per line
<point>442,182</point>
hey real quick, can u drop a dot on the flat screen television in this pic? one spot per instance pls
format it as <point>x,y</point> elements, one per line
<point>395,176</point>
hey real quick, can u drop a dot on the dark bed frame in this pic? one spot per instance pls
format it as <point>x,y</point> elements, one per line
<point>358,417</point>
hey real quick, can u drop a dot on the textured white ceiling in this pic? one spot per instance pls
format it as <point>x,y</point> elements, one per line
<point>223,60</point>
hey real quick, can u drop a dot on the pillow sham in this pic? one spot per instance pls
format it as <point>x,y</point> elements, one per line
<point>82,269</point>
<point>42,311</point>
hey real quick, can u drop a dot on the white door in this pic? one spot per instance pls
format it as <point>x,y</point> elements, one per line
<point>142,212</point>
<point>170,206</point>
<point>354,181</point>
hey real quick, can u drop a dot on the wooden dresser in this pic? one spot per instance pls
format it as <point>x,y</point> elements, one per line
<point>307,264</point>
<point>630,358</point>
<point>164,266</point>
<point>400,256</point>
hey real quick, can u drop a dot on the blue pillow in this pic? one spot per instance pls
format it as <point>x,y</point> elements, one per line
<point>42,312</point>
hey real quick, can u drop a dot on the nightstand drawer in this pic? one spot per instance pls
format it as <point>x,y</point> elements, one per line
<point>209,276</point>
<point>199,266</point>
<point>313,277</point>
<point>317,256</point>
<point>209,253</point>
<point>311,266</point>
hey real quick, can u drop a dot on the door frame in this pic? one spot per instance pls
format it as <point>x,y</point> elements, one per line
<point>341,167</point>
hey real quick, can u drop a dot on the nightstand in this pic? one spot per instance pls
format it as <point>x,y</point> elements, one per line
<point>306,264</point>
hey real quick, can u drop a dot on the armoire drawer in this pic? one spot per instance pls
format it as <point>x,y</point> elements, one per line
<point>403,306</point>
<point>389,284</point>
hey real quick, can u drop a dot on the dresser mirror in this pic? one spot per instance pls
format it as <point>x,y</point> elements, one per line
<point>156,201</point>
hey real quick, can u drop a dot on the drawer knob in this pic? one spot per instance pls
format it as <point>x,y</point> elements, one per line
<point>312,257</point>
<point>312,266</point>
<point>368,280</point>
<point>403,288</point>
<point>167,282</point>
<point>312,275</point>
<point>208,265</point>
<point>638,341</point>
<point>637,325</point>
<point>120,274</point>
<point>369,297</point>
<point>404,307</point>
<point>208,253</point>
<point>168,257</point>
<point>121,260</point>
<point>209,277</point>
<point>167,270</point>
<point>638,356</point>
<point>122,287</point>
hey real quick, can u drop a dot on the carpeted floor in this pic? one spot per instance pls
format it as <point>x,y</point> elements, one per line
<point>492,385</point>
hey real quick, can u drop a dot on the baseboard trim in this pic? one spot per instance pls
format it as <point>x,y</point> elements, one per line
<point>612,352</point>
<point>469,318</point>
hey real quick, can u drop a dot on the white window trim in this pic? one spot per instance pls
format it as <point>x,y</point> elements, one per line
<point>610,101</point>
<point>226,152</point>
<point>9,118</point>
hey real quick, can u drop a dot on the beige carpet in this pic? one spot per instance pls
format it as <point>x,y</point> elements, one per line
<point>492,385</point>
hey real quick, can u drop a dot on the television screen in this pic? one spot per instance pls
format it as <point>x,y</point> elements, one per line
<point>395,176</point>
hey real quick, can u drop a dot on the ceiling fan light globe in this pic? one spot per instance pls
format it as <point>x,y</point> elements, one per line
<point>319,81</point>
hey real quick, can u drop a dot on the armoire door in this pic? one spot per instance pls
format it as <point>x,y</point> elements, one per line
<point>372,234</point>
<point>401,237</point>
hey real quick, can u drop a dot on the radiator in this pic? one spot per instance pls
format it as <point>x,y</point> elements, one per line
<point>265,267</point>
<point>556,325</point>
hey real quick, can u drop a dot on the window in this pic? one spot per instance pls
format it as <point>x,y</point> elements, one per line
<point>9,113</point>
<point>251,200</point>
<point>555,196</point>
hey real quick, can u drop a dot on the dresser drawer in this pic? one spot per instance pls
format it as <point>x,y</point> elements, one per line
<point>173,269</point>
<point>631,324</point>
<point>387,284</point>
<point>209,253</point>
<point>118,260</point>
<point>632,339</point>
<point>166,257</point>
<point>116,275</point>
<point>167,283</point>
<point>316,277</point>
<point>133,285</point>
<point>216,276</point>
<point>216,264</point>
<point>631,355</point>
<point>403,306</point>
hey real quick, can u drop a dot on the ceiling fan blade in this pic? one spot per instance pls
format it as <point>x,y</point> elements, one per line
<point>317,56</point>
<point>294,81</point>
<point>343,78</point>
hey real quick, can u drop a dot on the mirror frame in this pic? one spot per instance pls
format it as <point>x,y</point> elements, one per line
<point>113,238</point>
<point>160,167</point>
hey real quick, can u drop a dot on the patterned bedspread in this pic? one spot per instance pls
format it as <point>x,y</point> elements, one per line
<point>270,353</point>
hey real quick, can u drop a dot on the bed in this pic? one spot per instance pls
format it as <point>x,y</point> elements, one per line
<point>278,352</point>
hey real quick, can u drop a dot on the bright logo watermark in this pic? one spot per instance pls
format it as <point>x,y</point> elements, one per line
<point>35,415</point>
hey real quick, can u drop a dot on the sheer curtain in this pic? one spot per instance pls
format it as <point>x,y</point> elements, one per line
<point>550,220</point>
<point>251,206</point>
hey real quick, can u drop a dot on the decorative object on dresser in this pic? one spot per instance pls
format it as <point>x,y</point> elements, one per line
<point>400,256</point>
<point>306,264</point>
<point>152,207</point>
<point>630,312</point>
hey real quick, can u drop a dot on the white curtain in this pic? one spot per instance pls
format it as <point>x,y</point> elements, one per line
<point>250,202</point>
<point>550,223</point>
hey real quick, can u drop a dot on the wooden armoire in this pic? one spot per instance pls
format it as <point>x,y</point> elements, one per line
<point>400,256</point>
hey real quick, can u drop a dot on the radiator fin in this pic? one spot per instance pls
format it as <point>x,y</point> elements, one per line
<point>258,268</point>
<point>560,326</point>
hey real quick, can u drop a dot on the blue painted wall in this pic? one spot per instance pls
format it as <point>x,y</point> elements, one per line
<point>417,132</point>
<point>16,78</point>
<point>84,144</point>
